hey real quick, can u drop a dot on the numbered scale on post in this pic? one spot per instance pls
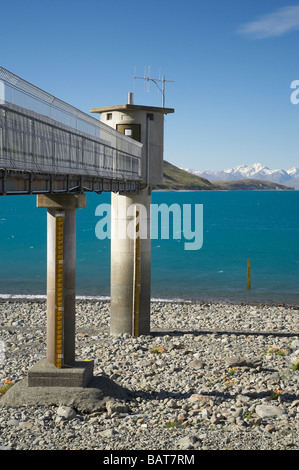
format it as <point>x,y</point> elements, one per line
<point>59,290</point>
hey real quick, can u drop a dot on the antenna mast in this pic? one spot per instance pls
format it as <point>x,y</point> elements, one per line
<point>157,82</point>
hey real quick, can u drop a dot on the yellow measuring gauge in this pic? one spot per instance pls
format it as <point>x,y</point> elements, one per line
<point>59,290</point>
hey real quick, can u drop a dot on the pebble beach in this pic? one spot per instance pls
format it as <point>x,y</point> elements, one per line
<point>210,376</point>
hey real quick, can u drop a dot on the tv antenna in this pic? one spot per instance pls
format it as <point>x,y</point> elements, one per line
<point>147,78</point>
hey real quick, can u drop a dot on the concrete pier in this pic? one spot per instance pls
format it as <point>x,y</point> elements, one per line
<point>130,263</point>
<point>61,275</point>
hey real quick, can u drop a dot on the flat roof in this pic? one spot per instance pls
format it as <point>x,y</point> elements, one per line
<point>132,107</point>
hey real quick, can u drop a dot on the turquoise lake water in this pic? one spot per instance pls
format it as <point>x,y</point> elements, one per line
<point>262,226</point>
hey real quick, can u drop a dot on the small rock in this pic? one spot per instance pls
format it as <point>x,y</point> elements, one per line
<point>66,412</point>
<point>294,356</point>
<point>115,407</point>
<point>269,411</point>
<point>26,425</point>
<point>198,397</point>
<point>196,364</point>
<point>214,419</point>
<point>295,344</point>
<point>94,421</point>
<point>295,404</point>
<point>109,433</point>
<point>237,413</point>
<point>181,417</point>
<point>241,361</point>
<point>205,414</point>
<point>187,442</point>
<point>13,422</point>
<point>270,428</point>
<point>171,403</point>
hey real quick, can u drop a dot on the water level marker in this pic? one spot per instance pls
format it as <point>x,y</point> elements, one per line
<point>136,275</point>
<point>249,274</point>
<point>59,216</point>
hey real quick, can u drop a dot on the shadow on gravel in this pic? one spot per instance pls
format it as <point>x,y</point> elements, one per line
<point>222,332</point>
<point>221,396</point>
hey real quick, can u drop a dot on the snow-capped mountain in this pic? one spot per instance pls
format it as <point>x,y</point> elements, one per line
<point>256,171</point>
<point>294,172</point>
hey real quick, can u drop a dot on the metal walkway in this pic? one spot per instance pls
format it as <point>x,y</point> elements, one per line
<point>48,146</point>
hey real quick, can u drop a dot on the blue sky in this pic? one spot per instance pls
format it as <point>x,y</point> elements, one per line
<point>232,63</point>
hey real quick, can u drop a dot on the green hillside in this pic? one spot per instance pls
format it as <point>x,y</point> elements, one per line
<point>175,179</point>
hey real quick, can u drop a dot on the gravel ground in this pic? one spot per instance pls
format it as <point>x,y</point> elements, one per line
<point>211,376</point>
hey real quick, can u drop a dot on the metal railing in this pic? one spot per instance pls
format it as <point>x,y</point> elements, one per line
<point>40,133</point>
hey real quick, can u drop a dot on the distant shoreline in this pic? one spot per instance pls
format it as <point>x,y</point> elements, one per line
<point>86,298</point>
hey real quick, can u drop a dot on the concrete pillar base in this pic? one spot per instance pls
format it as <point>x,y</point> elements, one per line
<point>43,374</point>
<point>88,399</point>
<point>124,317</point>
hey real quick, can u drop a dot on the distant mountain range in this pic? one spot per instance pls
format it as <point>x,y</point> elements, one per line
<point>256,171</point>
<point>177,179</point>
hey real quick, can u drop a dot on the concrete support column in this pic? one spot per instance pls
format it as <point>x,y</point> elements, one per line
<point>130,263</point>
<point>61,275</point>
